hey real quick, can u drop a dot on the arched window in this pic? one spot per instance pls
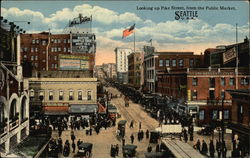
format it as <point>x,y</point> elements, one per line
<point>13,110</point>
<point>23,108</point>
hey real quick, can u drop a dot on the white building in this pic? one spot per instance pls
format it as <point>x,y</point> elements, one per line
<point>121,55</point>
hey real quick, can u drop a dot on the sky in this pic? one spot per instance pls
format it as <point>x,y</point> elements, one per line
<point>154,20</point>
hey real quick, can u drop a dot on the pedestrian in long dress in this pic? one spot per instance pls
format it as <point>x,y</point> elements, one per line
<point>198,145</point>
<point>73,137</point>
<point>117,149</point>
<point>149,149</point>
<point>73,147</point>
<point>185,135</point>
<point>147,134</point>
<point>204,148</point>
<point>218,148</point>
<point>211,148</point>
<point>131,124</point>
<point>78,143</point>
<point>132,138</point>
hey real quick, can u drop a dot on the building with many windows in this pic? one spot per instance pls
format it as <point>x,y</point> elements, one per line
<point>206,89</point>
<point>162,63</point>
<point>240,123</point>
<point>121,57</point>
<point>63,96</point>
<point>14,100</point>
<point>46,51</point>
<point>110,70</point>
<point>134,70</point>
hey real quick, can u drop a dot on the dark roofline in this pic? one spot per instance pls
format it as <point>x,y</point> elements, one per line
<point>245,92</point>
<point>179,53</point>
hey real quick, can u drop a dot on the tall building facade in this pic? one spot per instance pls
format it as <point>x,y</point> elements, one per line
<point>110,70</point>
<point>134,70</point>
<point>203,86</point>
<point>164,62</point>
<point>52,52</point>
<point>240,123</point>
<point>121,57</point>
<point>14,100</point>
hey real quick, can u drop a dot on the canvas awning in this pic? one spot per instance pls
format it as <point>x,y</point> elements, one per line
<point>83,108</point>
<point>55,110</point>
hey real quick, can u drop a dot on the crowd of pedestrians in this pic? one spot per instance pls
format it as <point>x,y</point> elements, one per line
<point>210,149</point>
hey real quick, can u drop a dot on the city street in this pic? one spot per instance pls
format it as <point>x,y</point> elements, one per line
<point>102,142</point>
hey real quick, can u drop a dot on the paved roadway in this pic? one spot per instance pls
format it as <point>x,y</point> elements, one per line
<point>102,142</point>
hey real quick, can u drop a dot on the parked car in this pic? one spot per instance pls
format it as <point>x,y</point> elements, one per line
<point>85,150</point>
<point>129,150</point>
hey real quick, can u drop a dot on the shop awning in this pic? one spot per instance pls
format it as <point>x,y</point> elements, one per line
<point>83,108</point>
<point>55,113</point>
<point>55,110</point>
<point>101,108</point>
<point>112,108</point>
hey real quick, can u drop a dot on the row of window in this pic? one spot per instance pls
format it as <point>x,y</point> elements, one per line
<point>59,40</point>
<point>172,62</point>
<point>58,49</point>
<point>150,74</point>
<point>53,49</point>
<point>243,81</point>
<point>215,114</point>
<point>194,94</point>
<point>149,63</point>
<point>44,42</point>
<point>32,58</point>
<point>53,66</point>
<point>51,95</point>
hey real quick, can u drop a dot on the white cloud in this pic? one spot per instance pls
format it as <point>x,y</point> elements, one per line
<point>110,24</point>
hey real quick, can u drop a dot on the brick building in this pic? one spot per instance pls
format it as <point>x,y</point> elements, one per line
<point>163,62</point>
<point>53,52</point>
<point>206,88</point>
<point>203,89</point>
<point>134,70</point>
<point>225,56</point>
<point>240,123</point>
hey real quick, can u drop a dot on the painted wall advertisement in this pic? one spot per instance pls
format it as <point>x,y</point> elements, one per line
<point>73,62</point>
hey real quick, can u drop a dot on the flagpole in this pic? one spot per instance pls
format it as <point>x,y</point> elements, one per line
<point>151,43</point>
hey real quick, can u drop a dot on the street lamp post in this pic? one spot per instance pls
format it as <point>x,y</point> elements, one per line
<point>222,131</point>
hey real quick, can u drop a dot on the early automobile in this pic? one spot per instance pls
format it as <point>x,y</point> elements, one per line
<point>121,128</point>
<point>154,136</point>
<point>129,150</point>
<point>85,150</point>
<point>158,155</point>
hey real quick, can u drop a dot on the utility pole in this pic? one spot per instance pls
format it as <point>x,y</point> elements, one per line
<point>47,52</point>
